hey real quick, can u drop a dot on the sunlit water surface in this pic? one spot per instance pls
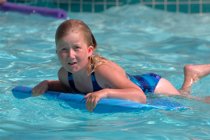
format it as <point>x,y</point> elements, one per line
<point>139,39</point>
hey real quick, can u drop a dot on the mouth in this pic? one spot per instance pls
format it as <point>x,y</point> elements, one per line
<point>72,63</point>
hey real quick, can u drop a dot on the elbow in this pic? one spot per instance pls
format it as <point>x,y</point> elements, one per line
<point>141,98</point>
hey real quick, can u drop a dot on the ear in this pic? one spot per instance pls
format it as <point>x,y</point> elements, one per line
<point>90,50</point>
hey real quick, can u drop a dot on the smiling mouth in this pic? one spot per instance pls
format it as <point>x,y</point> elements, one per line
<point>72,63</point>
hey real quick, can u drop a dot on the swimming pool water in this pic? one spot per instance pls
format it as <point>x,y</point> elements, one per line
<point>139,39</point>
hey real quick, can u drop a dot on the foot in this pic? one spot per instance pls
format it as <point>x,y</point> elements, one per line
<point>192,74</point>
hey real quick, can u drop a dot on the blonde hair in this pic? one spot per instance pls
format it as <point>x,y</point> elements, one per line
<point>75,25</point>
<point>94,62</point>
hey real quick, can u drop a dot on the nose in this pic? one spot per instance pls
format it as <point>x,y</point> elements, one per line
<point>71,53</point>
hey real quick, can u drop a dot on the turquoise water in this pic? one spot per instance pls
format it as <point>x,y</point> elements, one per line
<point>139,39</point>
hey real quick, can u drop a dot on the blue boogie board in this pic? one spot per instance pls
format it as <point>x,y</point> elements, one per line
<point>77,101</point>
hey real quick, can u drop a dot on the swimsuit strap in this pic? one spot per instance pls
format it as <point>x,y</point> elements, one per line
<point>96,86</point>
<point>71,81</point>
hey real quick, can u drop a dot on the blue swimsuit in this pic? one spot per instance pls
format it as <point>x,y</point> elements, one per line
<point>147,82</point>
<point>96,87</point>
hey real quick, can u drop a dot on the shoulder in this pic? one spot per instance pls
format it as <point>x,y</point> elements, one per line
<point>62,74</point>
<point>62,71</point>
<point>109,67</point>
<point>110,74</point>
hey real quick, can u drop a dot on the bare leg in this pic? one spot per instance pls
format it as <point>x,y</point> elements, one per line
<point>193,73</point>
<point>166,88</point>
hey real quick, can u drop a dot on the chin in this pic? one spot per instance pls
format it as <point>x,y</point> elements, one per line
<point>72,70</point>
<point>75,69</point>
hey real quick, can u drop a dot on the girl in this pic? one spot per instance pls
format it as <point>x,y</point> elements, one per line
<point>86,72</point>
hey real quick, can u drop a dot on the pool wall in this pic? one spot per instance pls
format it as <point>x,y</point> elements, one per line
<point>183,6</point>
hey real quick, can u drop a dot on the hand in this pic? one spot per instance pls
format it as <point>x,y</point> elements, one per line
<point>93,98</point>
<point>40,88</point>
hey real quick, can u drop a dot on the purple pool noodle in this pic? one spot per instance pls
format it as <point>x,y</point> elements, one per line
<point>57,13</point>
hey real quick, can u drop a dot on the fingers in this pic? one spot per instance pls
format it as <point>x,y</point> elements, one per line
<point>40,88</point>
<point>91,101</point>
<point>38,91</point>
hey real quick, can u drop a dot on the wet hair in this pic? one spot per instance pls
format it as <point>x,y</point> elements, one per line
<point>72,25</point>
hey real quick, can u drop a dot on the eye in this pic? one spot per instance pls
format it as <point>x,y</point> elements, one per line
<point>76,47</point>
<point>62,49</point>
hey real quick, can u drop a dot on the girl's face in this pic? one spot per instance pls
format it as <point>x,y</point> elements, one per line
<point>73,51</point>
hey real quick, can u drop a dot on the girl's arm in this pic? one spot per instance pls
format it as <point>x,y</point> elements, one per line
<point>116,85</point>
<point>53,85</point>
<point>57,86</point>
<point>132,94</point>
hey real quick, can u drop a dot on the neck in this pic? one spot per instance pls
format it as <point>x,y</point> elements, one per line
<point>82,73</point>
